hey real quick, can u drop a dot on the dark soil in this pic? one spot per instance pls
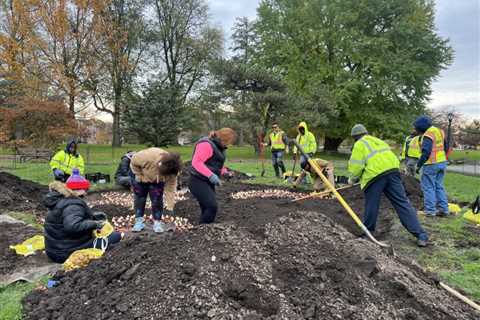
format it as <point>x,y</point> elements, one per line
<point>263,260</point>
<point>12,234</point>
<point>19,195</point>
<point>185,174</point>
<point>306,267</point>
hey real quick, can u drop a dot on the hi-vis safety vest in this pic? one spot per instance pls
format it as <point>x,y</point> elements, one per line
<point>370,158</point>
<point>438,148</point>
<point>66,162</point>
<point>414,147</point>
<point>276,140</point>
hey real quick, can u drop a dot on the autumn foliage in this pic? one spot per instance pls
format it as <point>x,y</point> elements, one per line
<point>36,123</point>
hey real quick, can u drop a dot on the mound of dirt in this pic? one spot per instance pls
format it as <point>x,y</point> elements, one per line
<point>306,267</point>
<point>17,194</point>
<point>185,174</point>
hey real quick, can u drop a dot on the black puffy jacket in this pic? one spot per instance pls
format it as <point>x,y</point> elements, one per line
<point>123,169</point>
<point>68,225</point>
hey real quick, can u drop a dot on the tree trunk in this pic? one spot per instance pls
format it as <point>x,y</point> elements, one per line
<point>332,144</point>
<point>71,103</point>
<point>241,139</point>
<point>116,141</point>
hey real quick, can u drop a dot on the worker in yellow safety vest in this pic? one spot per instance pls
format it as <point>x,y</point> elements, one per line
<point>277,140</point>
<point>64,161</point>
<point>377,167</point>
<point>433,162</point>
<point>307,141</point>
<point>411,153</point>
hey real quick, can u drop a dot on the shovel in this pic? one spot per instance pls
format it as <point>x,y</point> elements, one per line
<point>319,194</point>
<point>292,176</point>
<point>342,201</point>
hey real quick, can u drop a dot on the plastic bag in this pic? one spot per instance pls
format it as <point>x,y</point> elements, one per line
<point>472,217</point>
<point>102,235</point>
<point>29,246</point>
<point>81,258</point>
<point>454,208</point>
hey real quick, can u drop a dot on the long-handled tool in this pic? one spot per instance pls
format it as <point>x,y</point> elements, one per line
<point>262,159</point>
<point>291,179</point>
<point>339,197</point>
<point>321,194</point>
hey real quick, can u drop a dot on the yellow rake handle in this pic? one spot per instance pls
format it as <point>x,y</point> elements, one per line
<point>339,197</point>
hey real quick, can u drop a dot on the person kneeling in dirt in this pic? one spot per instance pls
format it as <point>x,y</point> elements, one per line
<point>122,175</point>
<point>64,161</point>
<point>207,167</point>
<point>376,166</point>
<point>327,170</point>
<point>154,172</point>
<point>70,222</point>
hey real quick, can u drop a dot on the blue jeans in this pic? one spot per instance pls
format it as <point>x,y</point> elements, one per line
<point>391,185</point>
<point>434,194</point>
<point>140,192</point>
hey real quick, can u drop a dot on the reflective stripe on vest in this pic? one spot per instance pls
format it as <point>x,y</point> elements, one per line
<point>276,140</point>
<point>414,148</point>
<point>370,154</point>
<point>438,149</point>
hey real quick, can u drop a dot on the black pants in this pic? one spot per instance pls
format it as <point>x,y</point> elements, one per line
<point>204,192</point>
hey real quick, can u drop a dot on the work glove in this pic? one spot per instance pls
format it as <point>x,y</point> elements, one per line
<point>58,173</point>
<point>99,216</point>
<point>215,180</point>
<point>137,179</point>
<point>353,180</point>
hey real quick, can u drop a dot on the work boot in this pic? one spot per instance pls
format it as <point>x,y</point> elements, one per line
<point>139,224</point>
<point>422,243</point>
<point>277,173</point>
<point>282,168</point>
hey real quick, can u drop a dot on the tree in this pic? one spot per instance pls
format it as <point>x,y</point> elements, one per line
<point>64,38</point>
<point>118,54</point>
<point>375,59</point>
<point>40,123</point>
<point>184,45</point>
<point>153,117</point>
<point>470,134</point>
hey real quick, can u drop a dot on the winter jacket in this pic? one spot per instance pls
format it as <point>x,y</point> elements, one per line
<point>69,222</point>
<point>66,161</point>
<point>370,159</point>
<point>306,141</point>
<point>144,166</point>
<point>124,166</point>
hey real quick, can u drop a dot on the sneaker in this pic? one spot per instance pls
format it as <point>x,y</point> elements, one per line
<point>422,243</point>
<point>160,226</point>
<point>139,224</point>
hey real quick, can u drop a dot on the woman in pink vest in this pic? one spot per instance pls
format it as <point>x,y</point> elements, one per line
<point>207,168</point>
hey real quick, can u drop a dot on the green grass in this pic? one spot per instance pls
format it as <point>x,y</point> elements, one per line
<point>456,255</point>
<point>462,188</point>
<point>26,217</point>
<point>465,154</point>
<point>11,298</point>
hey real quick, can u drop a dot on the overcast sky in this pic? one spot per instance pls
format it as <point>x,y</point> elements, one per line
<point>458,20</point>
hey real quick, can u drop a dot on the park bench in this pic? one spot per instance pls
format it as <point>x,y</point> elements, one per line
<point>25,154</point>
